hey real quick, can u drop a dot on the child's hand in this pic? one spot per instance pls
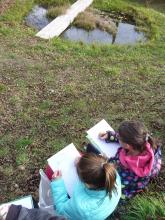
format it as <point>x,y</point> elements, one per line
<point>56,175</point>
<point>103,135</point>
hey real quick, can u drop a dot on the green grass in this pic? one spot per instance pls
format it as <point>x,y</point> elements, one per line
<point>4,151</point>
<point>53,91</point>
<point>45,105</point>
<point>2,88</point>
<point>23,143</point>
<point>111,71</point>
<point>19,9</point>
<point>22,159</point>
<point>8,171</point>
<point>145,207</point>
<point>47,3</point>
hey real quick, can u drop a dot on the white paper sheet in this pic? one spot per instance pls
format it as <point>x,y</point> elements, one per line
<point>26,202</point>
<point>64,160</point>
<point>109,149</point>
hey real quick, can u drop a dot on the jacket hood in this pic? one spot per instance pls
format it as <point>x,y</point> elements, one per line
<point>141,164</point>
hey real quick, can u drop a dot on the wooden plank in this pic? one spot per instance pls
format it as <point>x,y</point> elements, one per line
<point>59,24</point>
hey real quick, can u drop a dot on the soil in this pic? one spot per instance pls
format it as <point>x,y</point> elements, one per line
<point>4,5</point>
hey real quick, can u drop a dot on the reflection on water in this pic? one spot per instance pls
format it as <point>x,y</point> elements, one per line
<point>126,33</point>
<point>37,18</point>
<point>96,35</point>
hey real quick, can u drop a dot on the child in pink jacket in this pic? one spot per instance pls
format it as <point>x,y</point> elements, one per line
<point>137,160</point>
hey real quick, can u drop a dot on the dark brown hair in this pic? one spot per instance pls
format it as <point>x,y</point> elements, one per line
<point>95,170</point>
<point>135,134</point>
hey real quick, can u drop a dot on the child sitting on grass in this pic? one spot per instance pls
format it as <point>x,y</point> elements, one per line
<point>137,160</point>
<point>95,196</point>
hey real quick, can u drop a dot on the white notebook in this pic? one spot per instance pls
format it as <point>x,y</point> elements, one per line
<point>64,160</point>
<point>25,201</point>
<point>109,149</point>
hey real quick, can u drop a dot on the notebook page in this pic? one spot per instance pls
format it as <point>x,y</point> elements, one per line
<point>64,160</point>
<point>109,149</point>
<point>26,202</point>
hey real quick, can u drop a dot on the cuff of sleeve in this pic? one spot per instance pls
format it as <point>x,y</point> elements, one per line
<point>112,137</point>
<point>13,212</point>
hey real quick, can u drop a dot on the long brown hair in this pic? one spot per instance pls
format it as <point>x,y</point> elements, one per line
<point>95,170</point>
<point>135,134</point>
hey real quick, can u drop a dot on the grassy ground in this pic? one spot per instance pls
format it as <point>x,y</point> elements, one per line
<point>53,91</point>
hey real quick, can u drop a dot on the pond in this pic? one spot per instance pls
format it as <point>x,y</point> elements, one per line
<point>126,33</point>
<point>37,18</point>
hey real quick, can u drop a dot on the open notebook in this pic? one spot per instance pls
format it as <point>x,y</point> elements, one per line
<point>25,201</point>
<point>109,149</point>
<point>64,160</point>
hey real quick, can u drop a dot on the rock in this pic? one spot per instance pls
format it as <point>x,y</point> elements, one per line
<point>16,185</point>
<point>21,167</point>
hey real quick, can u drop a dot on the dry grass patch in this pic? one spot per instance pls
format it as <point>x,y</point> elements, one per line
<point>54,12</point>
<point>90,19</point>
<point>108,26</point>
<point>86,20</point>
<point>55,3</point>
